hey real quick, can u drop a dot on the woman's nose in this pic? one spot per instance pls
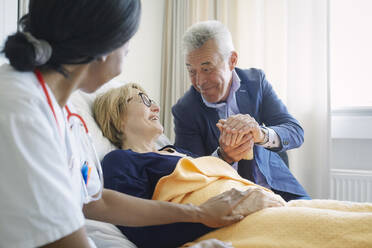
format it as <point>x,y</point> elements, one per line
<point>154,107</point>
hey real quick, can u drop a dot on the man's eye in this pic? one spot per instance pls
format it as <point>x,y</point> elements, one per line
<point>206,70</point>
<point>192,73</point>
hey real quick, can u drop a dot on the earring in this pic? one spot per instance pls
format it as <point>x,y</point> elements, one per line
<point>102,58</point>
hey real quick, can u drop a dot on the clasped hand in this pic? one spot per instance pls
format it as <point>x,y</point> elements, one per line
<point>233,205</point>
<point>238,134</point>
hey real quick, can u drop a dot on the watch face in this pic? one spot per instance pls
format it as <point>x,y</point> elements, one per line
<point>266,136</point>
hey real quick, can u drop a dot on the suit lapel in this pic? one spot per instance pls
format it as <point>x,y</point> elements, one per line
<point>243,100</point>
<point>213,118</point>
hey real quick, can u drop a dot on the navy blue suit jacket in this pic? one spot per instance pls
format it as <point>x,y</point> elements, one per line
<point>196,131</point>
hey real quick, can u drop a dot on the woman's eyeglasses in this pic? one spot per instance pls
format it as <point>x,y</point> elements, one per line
<point>145,99</point>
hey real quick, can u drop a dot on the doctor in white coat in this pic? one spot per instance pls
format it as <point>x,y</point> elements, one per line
<point>50,177</point>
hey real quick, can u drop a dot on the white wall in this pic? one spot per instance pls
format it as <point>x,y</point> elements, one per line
<point>143,63</point>
<point>8,21</point>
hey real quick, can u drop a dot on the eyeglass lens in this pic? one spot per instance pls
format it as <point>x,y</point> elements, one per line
<point>146,100</point>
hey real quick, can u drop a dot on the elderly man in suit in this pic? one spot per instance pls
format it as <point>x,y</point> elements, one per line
<point>228,111</point>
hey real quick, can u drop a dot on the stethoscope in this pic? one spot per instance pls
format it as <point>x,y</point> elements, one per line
<point>86,142</point>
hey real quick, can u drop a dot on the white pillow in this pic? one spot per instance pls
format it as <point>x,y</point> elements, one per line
<point>83,104</point>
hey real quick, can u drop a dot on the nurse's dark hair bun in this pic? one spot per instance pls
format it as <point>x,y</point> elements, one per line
<point>20,52</point>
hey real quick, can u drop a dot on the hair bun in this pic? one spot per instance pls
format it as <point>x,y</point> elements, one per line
<point>20,52</point>
<point>43,50</point>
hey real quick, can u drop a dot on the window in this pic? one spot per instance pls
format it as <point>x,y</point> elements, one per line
<point>351,54</point>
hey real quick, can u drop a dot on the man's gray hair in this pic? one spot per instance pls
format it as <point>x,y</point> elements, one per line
<point>201,32</point>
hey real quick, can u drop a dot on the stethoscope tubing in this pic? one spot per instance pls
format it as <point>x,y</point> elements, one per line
<point>69,116</point>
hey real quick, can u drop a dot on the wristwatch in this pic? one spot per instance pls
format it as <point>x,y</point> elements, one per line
<point>266,138</point>
<point>219,152</point>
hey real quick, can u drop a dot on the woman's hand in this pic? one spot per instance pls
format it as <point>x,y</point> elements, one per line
<point>233,205</point>
<point>258,198</point>
<point>212,243</point>
<point>217,211</point>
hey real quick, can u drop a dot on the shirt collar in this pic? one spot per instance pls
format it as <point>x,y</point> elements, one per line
<point>235,85</point>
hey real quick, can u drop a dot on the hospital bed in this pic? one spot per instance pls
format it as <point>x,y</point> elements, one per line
<point>318,223</point>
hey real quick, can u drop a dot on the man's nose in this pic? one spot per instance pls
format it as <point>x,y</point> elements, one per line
<point>200,80</point>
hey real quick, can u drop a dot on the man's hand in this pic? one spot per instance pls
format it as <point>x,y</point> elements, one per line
<point>217,211</point>
<point>236,126</point>
<point>238,135</point>
<point>212,243</point>
<point>237,149</point>
<point>236,152</point>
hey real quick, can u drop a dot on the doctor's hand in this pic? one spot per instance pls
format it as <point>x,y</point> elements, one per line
<point>235,127</point>
<point>212,243</point>
<point>217,211</point>
<point>236,152</point>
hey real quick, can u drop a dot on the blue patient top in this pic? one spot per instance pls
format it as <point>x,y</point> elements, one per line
<point>137,174</point>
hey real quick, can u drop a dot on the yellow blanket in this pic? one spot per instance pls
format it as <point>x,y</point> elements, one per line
<point>301,224</point>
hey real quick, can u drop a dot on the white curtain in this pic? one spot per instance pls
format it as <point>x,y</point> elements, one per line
<point>285,38</point>
<point>173,77</point>
<point>179,15</point>
<point>308,91</point>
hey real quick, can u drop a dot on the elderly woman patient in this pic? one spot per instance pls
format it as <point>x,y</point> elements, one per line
<point>130,120</point>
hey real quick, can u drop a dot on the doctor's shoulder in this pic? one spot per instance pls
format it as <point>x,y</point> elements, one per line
<point>19,92</point>
<point>17,87</point>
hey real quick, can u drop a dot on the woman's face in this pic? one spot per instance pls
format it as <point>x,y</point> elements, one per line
<point>104,69</point>
<point>142,116</point>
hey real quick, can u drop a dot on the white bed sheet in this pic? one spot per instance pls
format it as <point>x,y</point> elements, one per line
<point>105,235</point>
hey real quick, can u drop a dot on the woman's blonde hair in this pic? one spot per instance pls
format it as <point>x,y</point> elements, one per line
<point>109,109</point>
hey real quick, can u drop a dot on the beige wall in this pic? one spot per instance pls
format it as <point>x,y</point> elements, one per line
<point>143,63</point>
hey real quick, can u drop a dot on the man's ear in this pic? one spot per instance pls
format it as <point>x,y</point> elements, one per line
<point>233,60</point>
